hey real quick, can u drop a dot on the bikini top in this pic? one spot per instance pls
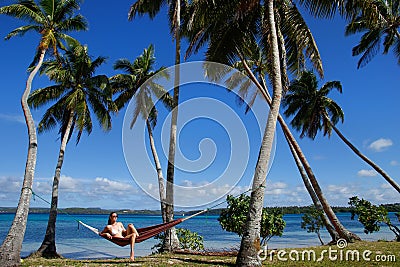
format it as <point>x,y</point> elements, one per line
<point>116,231</point>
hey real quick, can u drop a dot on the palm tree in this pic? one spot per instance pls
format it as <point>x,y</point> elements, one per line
<point>136,83</point>
<point>77,93</point>
<point>229,36</point>
<point>259,67</point>
<point>314,111</point>
<point>379,22</point>
<point>335,228</point>
<point>150,7</point>
<point>51,19</point>
<point>228,26</point>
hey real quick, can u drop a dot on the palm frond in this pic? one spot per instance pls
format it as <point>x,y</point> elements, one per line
<point>45,95</point>
<point>143,7</point>
<point>323,9</point>
<point>299,41</point>
<point>77,23</point>
<point>25,10</point>
<point>20,31</point>
<point>310,107</point>
<point>368,47</point>
<point>65,9</point>
<point>125,65</point>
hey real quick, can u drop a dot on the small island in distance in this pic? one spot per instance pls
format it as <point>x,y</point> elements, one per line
<point>395,207</point>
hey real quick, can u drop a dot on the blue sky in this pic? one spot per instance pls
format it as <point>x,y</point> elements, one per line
<point>95,172</point>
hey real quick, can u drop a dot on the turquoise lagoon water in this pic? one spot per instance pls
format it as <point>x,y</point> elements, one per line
<point>80,243</point>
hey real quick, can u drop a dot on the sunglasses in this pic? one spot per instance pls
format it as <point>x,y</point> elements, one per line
<point>116,216</point>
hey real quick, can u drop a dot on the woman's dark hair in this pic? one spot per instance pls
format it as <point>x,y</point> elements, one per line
<point>109,217</point>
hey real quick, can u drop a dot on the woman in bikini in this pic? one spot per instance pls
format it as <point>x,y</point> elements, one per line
<point>117,229</point>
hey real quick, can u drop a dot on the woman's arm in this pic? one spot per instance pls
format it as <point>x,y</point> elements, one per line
<point>106,232</point>
<point>122,226</point>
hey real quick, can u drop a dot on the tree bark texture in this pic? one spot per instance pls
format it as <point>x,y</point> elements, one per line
<point>10,249</point>
<point>340,229</point>
<point>250,243</point>
<point>48,247</point>
<point>160,177</point>
<point>171,241</point>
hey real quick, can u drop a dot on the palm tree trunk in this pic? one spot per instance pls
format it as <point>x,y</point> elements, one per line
<point>340,229</point>
<point>394,229</point>
<point>171,241</point>
<point>319,237</point>
<point>10,250</point>
<point>250,244</point>
<point>331,230</point>
<point>342,232</point>
<point>159,171</point>
<point>285,83</point>
<point>282,51</point>
<point>48,246</point>
<point>365,158</point>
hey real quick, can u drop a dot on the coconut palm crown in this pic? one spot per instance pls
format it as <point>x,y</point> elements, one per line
<point>311,107</point>
<point>77,90</point>
<point>51,19</point>
<point>314,111</point>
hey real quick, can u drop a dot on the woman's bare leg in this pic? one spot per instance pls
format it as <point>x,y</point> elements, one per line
<point>132,255</point>
<point>132,233</point>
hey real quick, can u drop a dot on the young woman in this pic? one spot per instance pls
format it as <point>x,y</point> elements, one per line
<point>117,229</point>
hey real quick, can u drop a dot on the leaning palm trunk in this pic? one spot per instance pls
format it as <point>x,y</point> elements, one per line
<point>160,176</point>
<point>171,241</point>
<point>341,231</point>
<point>366,159</point>
<point>250,244</point>
<point>11,248</point>
<point>317,204</point>
<point>290,139</point>
<point>48,246</point>
<point>334,235</point>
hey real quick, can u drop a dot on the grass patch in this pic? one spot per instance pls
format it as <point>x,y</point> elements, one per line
<point>379,253</point>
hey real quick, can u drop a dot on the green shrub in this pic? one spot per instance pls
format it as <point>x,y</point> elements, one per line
<point>187,240</point>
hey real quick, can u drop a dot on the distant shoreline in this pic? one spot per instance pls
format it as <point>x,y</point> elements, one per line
<point>395,207</point>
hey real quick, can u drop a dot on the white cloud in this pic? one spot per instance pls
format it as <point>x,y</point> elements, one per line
<point>277,185</point>
<point>319,157</point>
<point>367,173</point>
<point>13,118</point>
<point>115,194</point>
<point>386,186</point>
<point>394,163</point>
<point>69,184</point>
<point>74,192</point>
<point>380,144</point>
<point>10,184</point>
<point>276,188</point>
<point>106,185</point>
<point>340,190</point>
<point>385,193</point>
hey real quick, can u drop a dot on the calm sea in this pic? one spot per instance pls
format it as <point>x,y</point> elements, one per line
<point>80,243</point>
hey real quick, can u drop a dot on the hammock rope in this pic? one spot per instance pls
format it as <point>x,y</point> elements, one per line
<point>145,232</point>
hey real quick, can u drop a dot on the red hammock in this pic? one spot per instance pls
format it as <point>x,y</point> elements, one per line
<point>145,232</point>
